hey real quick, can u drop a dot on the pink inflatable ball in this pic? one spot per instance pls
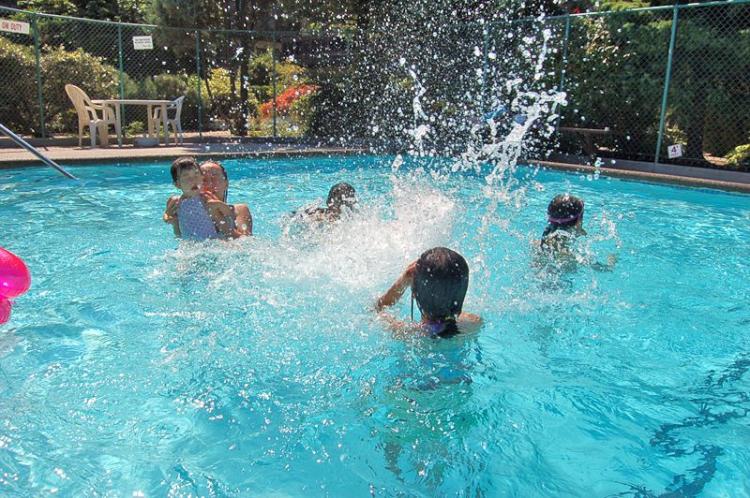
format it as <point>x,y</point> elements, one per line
<point>14,276</point>
<point>5,307</point>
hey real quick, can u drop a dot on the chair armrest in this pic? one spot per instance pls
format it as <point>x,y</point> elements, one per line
<point>92,112</point>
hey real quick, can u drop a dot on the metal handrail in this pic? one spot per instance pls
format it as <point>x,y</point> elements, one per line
<point>26,145</point>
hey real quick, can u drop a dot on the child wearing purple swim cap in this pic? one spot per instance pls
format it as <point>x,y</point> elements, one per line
<point>565,220</point>
<point>564,225</point>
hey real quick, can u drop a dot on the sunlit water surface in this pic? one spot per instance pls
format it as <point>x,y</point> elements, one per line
<point>139,366</point>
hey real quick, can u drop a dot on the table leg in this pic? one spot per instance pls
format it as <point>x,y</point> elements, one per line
<point>118,120</point>
<point>164,123</point>
<point>103,131</point>
<point>150,119</point>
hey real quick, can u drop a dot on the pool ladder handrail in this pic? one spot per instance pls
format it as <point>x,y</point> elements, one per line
<point>26,145</point>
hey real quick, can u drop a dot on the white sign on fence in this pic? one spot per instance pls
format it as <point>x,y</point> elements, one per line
<point>14,26</point>
<point>674,151</point>
<point>143,42</point>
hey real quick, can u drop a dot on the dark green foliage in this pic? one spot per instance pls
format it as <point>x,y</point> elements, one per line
<point>169,86</point>
<point>19,107</point>
<point>122,10</point>
<point>60,67</point>
<point>615,80</point>
<point>59,7</point>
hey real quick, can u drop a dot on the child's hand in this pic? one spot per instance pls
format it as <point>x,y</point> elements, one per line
<point>170,214</point>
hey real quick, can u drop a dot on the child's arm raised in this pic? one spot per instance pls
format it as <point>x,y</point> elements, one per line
<point>396,290</point>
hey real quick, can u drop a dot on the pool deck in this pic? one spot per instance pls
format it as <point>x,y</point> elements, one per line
<point>734,181</point>
<point>68,152</point>
<point>10,157</point>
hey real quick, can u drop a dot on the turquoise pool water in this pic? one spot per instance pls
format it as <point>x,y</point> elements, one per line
<point>137,366</point>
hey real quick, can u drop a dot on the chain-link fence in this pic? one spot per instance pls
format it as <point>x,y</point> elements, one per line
<point>657,84</point>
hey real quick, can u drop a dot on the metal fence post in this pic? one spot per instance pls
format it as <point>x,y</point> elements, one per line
<point>273,75</point>
<point>198,73</point>
<point>40,92</point>
<point>564,64</point>
<point>121,66</point>
<point>566,37</point>
<point>120,60</point>
<point>667,79</point>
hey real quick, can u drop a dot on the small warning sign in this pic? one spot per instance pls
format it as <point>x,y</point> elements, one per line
<point>143,42</point>
<point>14,26</point>
<point>674,151</point>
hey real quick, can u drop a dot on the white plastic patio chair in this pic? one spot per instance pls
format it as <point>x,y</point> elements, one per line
<point>174,121</point>
<point>87,116</point>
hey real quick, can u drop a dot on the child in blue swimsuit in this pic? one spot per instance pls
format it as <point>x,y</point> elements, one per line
<point>195,214</point>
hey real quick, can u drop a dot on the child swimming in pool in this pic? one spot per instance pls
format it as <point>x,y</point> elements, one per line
<point>439,280</point>
<point>341,198</point>
<point>196,214</point>
<point>565,223</point>
<point>564,226</point>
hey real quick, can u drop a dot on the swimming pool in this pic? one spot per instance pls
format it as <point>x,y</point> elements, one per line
<point>136,366</point>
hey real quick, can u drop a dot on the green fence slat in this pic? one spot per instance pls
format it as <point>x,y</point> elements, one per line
<point>40,90</point>
<point>198,73</point>
<point>120,60</point>
<point>273,74</point>
<point>667,79</point>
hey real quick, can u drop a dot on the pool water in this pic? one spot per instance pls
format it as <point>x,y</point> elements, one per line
<point>140,366</point>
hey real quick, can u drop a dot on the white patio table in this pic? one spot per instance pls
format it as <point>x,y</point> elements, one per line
<point>150,104</point>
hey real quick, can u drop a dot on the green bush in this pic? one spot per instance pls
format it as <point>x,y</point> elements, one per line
<point>134,128</point>
<point>301,114</point>
<point>739,157</point>
<point>616,68</point>
<point>287,73</point>
<point>18,94</point>
<point>168,86</point>
<point>91,74</point>
<point>220,104</point>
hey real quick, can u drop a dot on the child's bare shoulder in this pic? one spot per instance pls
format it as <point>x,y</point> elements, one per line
<point>469,322</point>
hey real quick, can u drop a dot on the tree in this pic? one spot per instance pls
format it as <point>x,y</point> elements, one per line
<point>230,49</point>
<point>59,7</point>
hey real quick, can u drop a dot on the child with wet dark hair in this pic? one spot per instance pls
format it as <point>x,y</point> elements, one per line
<point>438,280</point>
<point>194,214</point>
<point>342,197</point>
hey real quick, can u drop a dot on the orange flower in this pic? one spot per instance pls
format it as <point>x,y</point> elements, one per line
<point>285,99</point>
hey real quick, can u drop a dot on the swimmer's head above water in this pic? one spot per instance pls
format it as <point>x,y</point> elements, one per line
<point>215,179</point>
<point>187,175</point>
<point>341,195</point>
<point>565,211</point>
<point>438,280</point>
<point>441,279</point>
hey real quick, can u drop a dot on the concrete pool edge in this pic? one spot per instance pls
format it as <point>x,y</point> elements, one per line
<point>117,155</point>
<point>674,179</point>
<point>734,181</point>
